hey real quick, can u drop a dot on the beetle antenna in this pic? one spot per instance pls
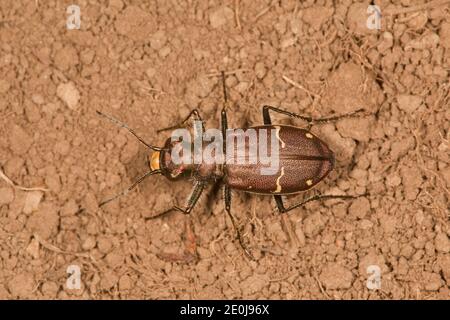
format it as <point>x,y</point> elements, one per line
<point>124,192</point>
<point>123,125</point>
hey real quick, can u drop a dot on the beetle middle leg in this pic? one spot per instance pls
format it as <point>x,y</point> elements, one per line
<point>310,120</point>
<point>227,191</point>
<point>227,196</point>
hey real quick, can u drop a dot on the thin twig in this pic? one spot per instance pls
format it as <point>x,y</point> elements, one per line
<point>8,181</point>
<point>298,85</point>
<point>236,14</point>
<point>263,11</point>
<point>425,6</point>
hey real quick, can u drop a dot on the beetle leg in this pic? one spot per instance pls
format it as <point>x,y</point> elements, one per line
<point>267,120</point>
<point>192,200</point>
<point>194,113</point>
<point>282,209</point>
<point>124,125</point>
<point>227,197</point>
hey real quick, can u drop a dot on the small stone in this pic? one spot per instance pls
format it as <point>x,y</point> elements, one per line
<point>4,86</point>
<point>69,94</point>
<point>428,40</point>
<point>22,285</point>
<point>108,280</point>
<point>49,289</point>
<point>446,175</point>
<point>66,58</point>
<point>444,264</point>
<point>356,128</point>
<point>442,242</point>
<point>33,248</point>
<point>313,224</point>
<point>6,195</point>
<point>32,201</point>
<point>117,4</point>
<point>104,244</point>
<point>412,180</point>
<point>136,23</point>
<point>254,283</point>
<point>37,99</point>
<point>260,70</point>
<point>125,283</point>
<point>359,208</point>
<point>393,180</point>
<point>19,140</point>
<point>114,259</point>
<point>158,40</point>
<point>150,72</point>
<point>44,222</point>
<point>408,103</point>
<point>334,276</point>
<point>221,16</point>
<point>164,52</point>
<point>286,43</point>
<point>444,35</point>
<point>89,243</point>
<point>316,16</point>
<point>358,20</point>
<point>242,87</point>
<point>70,208</point>
<point>432,281</point>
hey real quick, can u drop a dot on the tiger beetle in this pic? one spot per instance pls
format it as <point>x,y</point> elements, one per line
<point>304,161</point>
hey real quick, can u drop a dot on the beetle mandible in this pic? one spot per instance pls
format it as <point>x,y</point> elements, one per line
<point>304,161</point>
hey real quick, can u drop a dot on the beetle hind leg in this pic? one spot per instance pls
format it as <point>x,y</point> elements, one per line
<point>310,120</point>
<point>283,209</point>
<point>227,197</point>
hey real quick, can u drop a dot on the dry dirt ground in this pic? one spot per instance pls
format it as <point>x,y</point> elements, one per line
<point>148,64</point>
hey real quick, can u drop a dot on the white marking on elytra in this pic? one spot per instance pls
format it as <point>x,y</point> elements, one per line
<point>309,135</point>
<point>309,182</point>
<point>278,189</point>
<point>277,134</point>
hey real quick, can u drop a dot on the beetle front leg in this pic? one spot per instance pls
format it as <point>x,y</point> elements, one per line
<point>227,197</point>
<point>192,200</point>
<point>195,113</point>
<point>282,209</point>
<point>310,120</point>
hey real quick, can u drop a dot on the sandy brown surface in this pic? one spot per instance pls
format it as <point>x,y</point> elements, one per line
<point>149,65</point>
